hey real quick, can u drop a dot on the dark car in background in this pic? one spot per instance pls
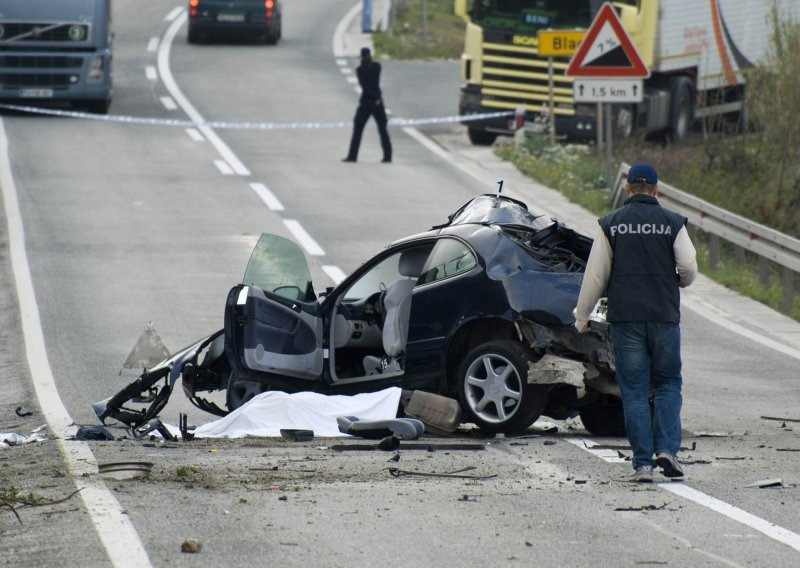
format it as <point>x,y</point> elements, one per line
<point>479,309</point>
<point>259,19</point>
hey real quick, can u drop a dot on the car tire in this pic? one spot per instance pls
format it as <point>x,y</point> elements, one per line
<point>493,387</point>
<point>481,137</point>
<point>241,391</point>
<point>604,416</point>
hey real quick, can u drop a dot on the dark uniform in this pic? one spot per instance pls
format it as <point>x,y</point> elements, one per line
<point>641,256</point>
<point>370,104</point>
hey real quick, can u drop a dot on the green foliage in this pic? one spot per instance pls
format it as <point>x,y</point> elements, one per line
<point>574,170</point>
<point>186,470</point>
<point>411,36</point>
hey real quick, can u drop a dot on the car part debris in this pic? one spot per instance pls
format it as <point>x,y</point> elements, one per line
<point>294,435</point>
<point>780,419</point>
<point>396,472</point>
<point>22,413</point>
<point>407,446</point>
<point>183,426</point>
<point>152,425</point>
<point>405,428</point>
<point>125,470</point>
<point>764,483</point>
<point>93,433</point>
<point>191,546</point>
<point>642,508</point>
<point>440,414</point>
<point>148,351</point>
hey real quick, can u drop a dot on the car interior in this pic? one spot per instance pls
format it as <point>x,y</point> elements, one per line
<point>372,318</point>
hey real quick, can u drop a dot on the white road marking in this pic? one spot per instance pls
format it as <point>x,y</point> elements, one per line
<point>151,73</point>
<point>303,237</point>
<point>769,529</point>
<point>173,14</point>
<point>168,103</point>
<point>188,108</point>
<point>341,62</point>
<point>152,45</point>
<point>269,199</point>
<point>334,273</point>
<point>763,526</point>
<point>339,49</point>
<point>117,534</point>
<point>346,70</point>
<point>195,135</point>
<point>223,167</point>
<point>352,80</point>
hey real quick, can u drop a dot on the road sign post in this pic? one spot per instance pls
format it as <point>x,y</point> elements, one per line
<point>556,43</point>
<point>607,69</point>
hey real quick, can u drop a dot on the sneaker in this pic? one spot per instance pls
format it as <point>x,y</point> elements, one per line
<point>669,465</point>
<point>642,474</point>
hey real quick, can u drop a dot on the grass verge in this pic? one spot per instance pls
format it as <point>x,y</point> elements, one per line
<point>421,29</point>
<point>578,173</point>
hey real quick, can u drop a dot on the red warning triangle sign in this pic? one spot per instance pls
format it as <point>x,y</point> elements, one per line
<point>607,51</point>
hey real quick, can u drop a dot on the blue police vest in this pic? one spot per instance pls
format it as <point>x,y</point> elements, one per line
<point>644,281</point>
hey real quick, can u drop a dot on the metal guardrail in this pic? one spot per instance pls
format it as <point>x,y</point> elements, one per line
<point>768,244</point>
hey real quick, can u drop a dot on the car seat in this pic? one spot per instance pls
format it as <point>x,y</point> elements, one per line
<point>396,305</point>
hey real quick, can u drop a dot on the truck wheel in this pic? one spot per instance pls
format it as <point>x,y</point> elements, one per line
<point>604,416</point>
<point>481,137</point>
<point>625,123</point>
<point>493,387</point>
<point>681,108</point>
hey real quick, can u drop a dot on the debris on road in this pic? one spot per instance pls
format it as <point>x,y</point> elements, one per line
<point>125,470</point>
<point>396,472</point>
<point>764,483</point>
<point>780,419</point>
<point>22,413</point>
<point>12,439</point>
<point>643,508</point>
<point>191,545</point>
<point>93,433</point>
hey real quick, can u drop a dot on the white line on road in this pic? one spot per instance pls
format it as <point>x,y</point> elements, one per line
<point>117,534</point>
<point>352,80</point>
<point>168,103</point>
<point>763,526</point>
<point>223,167</point>
<point>173,14</point>
<point>171,86</point>
<point>195,135</point>
<point>346,70</point>
<point>303,237</point>
<point>769,529</point>
<point>334,273</point>
<point>151,73</point>
<point>267,197</point>
<point>152,45</point>
<point>341,62</point>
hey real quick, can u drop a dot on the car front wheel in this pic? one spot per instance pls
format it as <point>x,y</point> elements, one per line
<point>493,387</point>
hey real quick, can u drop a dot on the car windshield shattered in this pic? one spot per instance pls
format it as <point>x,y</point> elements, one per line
<point>478,309</point>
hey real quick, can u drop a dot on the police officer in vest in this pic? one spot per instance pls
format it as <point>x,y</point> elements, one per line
<point>641,256</point>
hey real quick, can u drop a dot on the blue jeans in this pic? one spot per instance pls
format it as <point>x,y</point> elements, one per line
<point>648,356</point>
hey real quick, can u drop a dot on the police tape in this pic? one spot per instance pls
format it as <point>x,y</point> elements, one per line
<point>246,125</point>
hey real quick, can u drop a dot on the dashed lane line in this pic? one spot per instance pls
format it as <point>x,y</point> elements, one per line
<point>269,199</point>
<point>302,237</point>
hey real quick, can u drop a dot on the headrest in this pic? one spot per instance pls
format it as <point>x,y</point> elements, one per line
<point>412,261</point>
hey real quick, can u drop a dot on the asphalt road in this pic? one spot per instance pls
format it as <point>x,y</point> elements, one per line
<point>125,224</point>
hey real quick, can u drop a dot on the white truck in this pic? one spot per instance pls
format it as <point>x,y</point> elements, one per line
<point>698,53</point>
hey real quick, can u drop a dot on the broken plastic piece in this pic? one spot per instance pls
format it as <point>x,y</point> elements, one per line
<point>405,428</point>
<point>93,433</point>
<point>767,483</point>
<point>294,435</point>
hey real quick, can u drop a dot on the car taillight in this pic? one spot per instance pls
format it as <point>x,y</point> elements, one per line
<point>194,3</point>
<point>269,4</point>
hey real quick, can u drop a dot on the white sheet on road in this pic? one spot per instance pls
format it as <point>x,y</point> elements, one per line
<point>267,413</point>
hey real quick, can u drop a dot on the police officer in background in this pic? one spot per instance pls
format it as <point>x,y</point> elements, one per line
<point>370,104</point>
<point>642,255</point>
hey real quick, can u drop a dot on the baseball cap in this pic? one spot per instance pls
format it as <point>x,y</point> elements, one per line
<point>365,51</point>
<point>642,173</point>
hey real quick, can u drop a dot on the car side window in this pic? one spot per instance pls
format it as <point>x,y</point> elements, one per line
<point>449,257</point>
<point>378,278</point>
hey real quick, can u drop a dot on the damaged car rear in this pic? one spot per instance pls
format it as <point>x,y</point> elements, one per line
<point>479,309</point>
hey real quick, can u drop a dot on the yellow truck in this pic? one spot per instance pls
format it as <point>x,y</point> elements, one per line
<point>698,53</point>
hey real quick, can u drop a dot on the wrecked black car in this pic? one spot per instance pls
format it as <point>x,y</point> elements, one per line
<point>479,309</point>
